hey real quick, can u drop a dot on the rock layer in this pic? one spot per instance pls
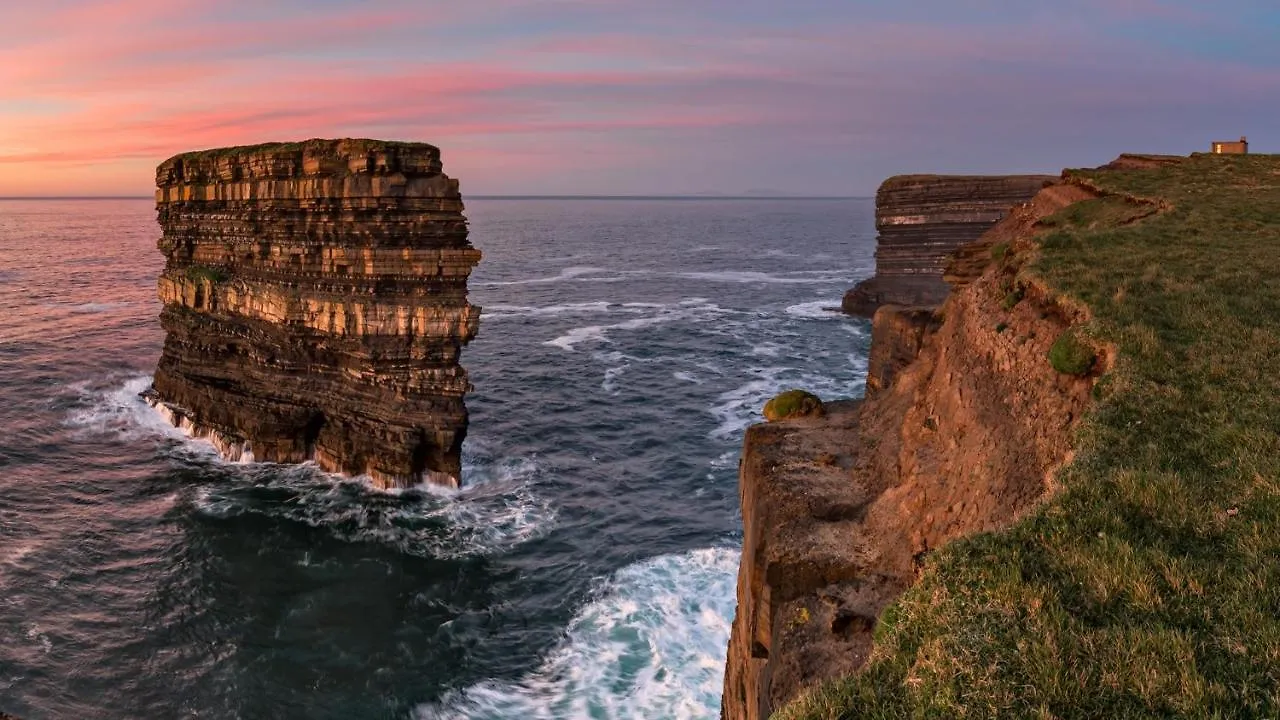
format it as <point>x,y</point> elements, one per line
<point>963,428</point>
<point>315,304</point>
<point>921,220</point>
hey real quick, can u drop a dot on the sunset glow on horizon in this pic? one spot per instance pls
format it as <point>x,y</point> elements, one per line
<point>814,97</point>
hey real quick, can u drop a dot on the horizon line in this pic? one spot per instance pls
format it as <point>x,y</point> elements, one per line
<point>507,197</point>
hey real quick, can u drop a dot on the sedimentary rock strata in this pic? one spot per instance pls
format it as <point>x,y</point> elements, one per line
<point>962,429</point>
<point>921,220</point>
<point>315,300</point>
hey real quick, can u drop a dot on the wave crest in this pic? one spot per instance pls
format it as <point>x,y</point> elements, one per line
<point>652,645</point>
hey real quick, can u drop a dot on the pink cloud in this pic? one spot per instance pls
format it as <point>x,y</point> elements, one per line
<point>124,83</point>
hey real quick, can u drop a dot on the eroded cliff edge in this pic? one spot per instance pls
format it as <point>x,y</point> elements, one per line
<point>1145,579</point>
<point>962,429</point>
<point>315,305</point>
<point>921,220</point>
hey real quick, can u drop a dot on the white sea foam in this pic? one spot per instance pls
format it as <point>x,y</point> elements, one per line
<point>741,406</point>
<point>569,273</point>
<point>500,311</point>
<point>686,377</point>
<point>651,646</point>
<point>685,309</point>
<point>86,308</point>
<point>598,333</point>
<point>35,634</point>
<point>121,412</point>
<point>496,312</point>
<point>824,277</point>
<point>498,509</point>
<point>611,375</point>
<point>817,310</point>
<point>766,349</point>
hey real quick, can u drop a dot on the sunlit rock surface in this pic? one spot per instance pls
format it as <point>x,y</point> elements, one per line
<point>315,300</point>
<point>922,219</point>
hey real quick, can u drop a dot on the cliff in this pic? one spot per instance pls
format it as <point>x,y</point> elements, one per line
<point>1061,493</point>
<point>921,220</point>
<point>315,305</point>
<point>961,429</point>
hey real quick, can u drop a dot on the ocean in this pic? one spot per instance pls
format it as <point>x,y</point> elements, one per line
<point>586,570</point>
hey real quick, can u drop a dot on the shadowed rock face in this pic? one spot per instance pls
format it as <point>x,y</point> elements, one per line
<point>315,300</point>
<point>921,220</point>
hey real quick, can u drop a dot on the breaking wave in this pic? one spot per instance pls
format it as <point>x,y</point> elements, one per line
<point>652,645</point>
<point>497,509</point>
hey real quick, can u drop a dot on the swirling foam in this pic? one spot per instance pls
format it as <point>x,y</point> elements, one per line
<point>693,308</point>
<point>498,509</point>
<point>817,310</point>
<point>652,645</point>
<point>741,406</point>
<point>119,412</point>
<point>569,273</point>
<point>822,277</point>
<point>498,312</point>
<point>487,517</point>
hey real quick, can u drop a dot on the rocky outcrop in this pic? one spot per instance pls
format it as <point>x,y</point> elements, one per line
<point>315,304</point>
<point>963,428</point>
<point>921,220</point>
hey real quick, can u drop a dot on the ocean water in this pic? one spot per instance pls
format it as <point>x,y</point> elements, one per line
<point>587,569</point>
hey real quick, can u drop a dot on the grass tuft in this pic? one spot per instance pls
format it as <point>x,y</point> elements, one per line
<point>1070,355</point>
<point>201,273</point>
<point>792,403</point>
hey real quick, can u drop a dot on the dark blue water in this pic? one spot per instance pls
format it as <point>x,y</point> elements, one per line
<point>588,569</point>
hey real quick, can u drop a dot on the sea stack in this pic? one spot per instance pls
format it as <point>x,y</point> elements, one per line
<point>921,220</point>
<point>315,305</point>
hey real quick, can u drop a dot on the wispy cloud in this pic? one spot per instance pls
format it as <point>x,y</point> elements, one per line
<point>605,95</point>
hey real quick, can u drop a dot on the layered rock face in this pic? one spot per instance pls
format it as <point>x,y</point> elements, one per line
<point>963,427</point>
<point>315,300</point>
<point>921,220</point>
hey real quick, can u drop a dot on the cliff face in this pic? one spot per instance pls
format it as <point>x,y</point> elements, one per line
<point>315,300</point>
<point>922,219</point>
<point>964,424</point>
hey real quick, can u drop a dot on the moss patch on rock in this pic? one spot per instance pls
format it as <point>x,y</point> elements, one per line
<point>792,404</point>
<point>200,273</point>
<point>1070,355</point>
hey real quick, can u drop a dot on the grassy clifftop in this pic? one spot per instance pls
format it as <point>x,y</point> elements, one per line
<point>1149,586</point>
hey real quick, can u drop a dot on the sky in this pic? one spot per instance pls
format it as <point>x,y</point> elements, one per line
<point>669,97</point>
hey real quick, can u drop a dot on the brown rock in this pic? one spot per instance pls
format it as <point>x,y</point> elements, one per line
<point>951,440</point>
<point>897,335</point>
<point>921,220</point>
<point>315,300</point>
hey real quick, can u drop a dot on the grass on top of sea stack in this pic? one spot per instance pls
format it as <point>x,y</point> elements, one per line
<point>1149,586</point>
<point>352,145</point>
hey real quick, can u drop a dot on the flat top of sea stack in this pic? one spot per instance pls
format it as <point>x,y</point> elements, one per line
<point>317,156</point>
<point>319,146</point>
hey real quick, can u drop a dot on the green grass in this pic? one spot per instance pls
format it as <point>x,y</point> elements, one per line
<point>1149,586</point>
<point>792,403</point>
<point>357,144</point>
<point>201,273</point>
<point>1070,355</point>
